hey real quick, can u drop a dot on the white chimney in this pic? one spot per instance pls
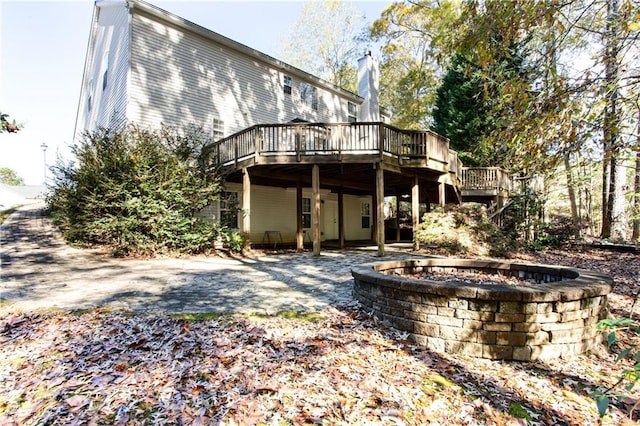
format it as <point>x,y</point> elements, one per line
<point>369,88</point>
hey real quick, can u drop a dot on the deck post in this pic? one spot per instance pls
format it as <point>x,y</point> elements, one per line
<point>442,194</point>
<point>341,217</point>
<point>246,203</point>
<point>415,211</point>
<point>398,218</point>
<point>315,210</point>
<point>380,209</point>
<point>299,228</point>
<point>381,141</point>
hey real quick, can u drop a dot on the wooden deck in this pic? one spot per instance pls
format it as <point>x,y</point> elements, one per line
<point>334,142</point>
<point>489,185</point>
<point>282,153</point>
<point>364,159</point>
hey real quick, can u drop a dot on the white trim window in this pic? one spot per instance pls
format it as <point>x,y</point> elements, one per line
<point>229,208</point>
<point>309,95</point>
<point>365,215</point>
<point>287,84</point>
<point>306,212</point>
<point>90,89</point>
<point>105,74</point>
<point>352,112</point>
<point>217,129</point>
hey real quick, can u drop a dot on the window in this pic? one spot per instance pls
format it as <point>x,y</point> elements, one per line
<point>105,75</point>
<point>90,98</point>
<point>352,112</point>
<point>218,129</point>
<point>309,95</point>
<point>306,212</point>
<point>229,209</point>
<point>287,84</point>
<point>365,214</point>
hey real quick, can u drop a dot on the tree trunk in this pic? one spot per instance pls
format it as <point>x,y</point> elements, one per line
<point>610,121</point>
<point>635,235</point>
<point>636,195</point>
<point>575,217</point>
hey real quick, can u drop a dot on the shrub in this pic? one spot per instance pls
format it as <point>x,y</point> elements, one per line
<point>234,240</point>
<point>558,232</point>
<point>451,231</point>
<point>624,334</point>
<point>136,191</point>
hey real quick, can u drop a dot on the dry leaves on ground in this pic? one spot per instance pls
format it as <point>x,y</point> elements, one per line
<point>341,367</point>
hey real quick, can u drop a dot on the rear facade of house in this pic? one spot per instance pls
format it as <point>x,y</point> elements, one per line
<point>304,161</point>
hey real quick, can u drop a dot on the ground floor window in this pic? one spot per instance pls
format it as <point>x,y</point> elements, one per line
<point>229,207</point>
<point>306,212</point>
<point>365,214</point>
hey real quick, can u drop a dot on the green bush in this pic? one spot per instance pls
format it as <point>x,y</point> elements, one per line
<point>454,230</point>
<point>137,191</point>
<point>234,240</point>
<point>465,229</point>
<point>624,334</point>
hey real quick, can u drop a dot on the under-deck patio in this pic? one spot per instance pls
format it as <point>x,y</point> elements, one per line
<point>373,159</point>
<point>345,158</point>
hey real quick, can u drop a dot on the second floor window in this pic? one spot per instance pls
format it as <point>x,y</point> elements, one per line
<point>105,74</point>
<point>352,112</point>
<point>287,84</point>
<point>90,98</point>
<point>309,95</point>
<point>218,129</point>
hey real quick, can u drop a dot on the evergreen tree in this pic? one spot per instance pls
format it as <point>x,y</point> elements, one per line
<point>460,109</point>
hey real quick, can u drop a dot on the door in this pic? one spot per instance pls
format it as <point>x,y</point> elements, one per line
<point>329,219</point>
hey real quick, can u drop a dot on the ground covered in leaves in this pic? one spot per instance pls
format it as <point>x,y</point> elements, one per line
<point>338,366</point>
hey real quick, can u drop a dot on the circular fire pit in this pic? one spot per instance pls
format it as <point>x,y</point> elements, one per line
<point>551,312</point>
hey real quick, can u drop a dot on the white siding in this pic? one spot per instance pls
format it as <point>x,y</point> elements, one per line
<point>105,105</point>
<point>181,77</point>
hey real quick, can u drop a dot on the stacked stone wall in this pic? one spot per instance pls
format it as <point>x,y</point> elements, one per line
<point>553,315</point>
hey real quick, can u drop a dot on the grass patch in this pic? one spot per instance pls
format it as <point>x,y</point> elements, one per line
<point>6,212</point>
<point>198,316</point>
<point>517,410</point>
<point>293,315</point>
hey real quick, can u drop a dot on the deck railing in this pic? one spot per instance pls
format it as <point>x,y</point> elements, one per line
<point>485,178</point>
<point>331,139</point>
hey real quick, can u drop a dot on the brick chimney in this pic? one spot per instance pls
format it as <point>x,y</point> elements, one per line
<point>369,88</point>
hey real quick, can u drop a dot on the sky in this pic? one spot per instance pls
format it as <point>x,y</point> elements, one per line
<point>42,52</point>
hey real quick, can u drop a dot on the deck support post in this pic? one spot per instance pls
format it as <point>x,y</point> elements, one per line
<point>398,218</point>
<point>341,217</point>
<point>246,204</point>
<point>299,228</point>
<point>442,194</point>
<point>315,209</point>
<point>380,209</point>
<point>415,211</point>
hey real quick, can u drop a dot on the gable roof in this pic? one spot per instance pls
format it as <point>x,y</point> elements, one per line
<point>175,20</point>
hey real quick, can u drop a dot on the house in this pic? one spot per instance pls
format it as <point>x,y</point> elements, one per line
<point>304,160</point>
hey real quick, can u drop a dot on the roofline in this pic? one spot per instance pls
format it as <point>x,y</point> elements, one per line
<point>180,22</point>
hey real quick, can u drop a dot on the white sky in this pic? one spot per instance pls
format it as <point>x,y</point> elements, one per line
<point>42,51</point>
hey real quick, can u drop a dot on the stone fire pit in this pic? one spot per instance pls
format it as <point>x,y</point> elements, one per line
<point>551,311</point>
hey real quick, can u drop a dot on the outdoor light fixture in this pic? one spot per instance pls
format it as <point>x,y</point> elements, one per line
<point>44,155</point>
